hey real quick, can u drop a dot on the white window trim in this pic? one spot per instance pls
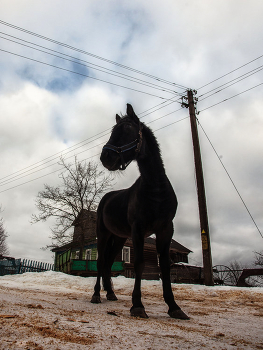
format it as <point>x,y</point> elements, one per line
<point>88,252</point>
<point>129,254</point>
<point>77,254</point>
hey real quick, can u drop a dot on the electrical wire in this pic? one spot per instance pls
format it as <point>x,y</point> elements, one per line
<point>55,171</point>
<point>177,121</point>
<point>45,160</point>
<point>90,54</point>
<point>78,145</point>
<point>229,98</point>
<point>81,74</point>
<point>89,65</point>
<point>238,79</point>
<point>12,178</point>
<point>59,68</point>
<point>165,116</point>
<point>24,183</point>
<point>234,70</point>
<point>167,103</point>
<point>18,177</point>
<point>235,187</point>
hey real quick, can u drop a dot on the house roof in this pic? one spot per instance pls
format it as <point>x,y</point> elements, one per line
<point>73,245</point>
<point>180,247</point>
<point>174,245</point>
<point>150,242</point>
<point>84,215</point>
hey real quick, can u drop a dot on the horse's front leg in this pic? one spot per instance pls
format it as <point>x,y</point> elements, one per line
<point>137,308</point>
<point>163,241</point>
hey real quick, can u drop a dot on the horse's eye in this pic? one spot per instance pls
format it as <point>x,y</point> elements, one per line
<point>127,127</point>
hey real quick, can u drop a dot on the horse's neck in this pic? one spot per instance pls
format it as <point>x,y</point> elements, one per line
<point>150,163</point>
<point>151,174</point>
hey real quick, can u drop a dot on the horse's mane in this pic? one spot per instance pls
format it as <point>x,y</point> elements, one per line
<point>152,142</point>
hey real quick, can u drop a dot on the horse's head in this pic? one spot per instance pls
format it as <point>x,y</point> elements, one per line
<point>124,143</point>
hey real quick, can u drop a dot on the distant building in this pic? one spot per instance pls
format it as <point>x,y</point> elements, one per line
<point>68,259</point>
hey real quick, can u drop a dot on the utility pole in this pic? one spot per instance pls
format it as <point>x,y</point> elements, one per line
<point>206,247</point>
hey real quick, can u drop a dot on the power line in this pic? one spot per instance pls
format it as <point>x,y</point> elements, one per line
<point>79,145</point>
<point>167,103</point>
<point>24,183</point>
<point>81,74</point>
<point>20,174</point>
<point>30,170</point>
<point>18,177</point>
<point>165,116</point>
<point>45,160</point>
<point>89,65</point>
<point>90,54</point>
<point>230,179</point>
<point>233,81</point>
<point>240,93</point>
<point>230,72</point>
<point>177,121</point>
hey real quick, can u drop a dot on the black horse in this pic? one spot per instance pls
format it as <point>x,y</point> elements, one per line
<point>147,207</point>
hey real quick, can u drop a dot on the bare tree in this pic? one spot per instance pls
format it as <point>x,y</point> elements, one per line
<point>259,258</point>
<point>236,268</point>
<point>3,236</point>
<point>82,185</point>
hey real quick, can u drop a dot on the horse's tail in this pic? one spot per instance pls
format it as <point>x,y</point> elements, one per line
<point>100,223</point>
<point>100,227</point>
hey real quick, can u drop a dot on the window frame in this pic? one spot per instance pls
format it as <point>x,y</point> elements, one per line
<point>88,252</point>
<point>128,252</point>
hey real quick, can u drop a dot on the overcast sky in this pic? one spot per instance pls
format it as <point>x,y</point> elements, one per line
<point>46,108</point>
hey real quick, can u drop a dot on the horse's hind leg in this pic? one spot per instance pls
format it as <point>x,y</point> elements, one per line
<point>163,241</point>
<point>114,246</point>
<point>137,308</point>
<point>101,246</point>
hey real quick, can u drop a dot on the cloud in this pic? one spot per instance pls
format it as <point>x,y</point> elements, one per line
<point>44,110</point>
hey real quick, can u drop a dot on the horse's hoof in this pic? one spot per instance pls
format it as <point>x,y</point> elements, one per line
<point>112,297</point>
<point>178,314</point>
<point>138,312</point>
<point>95,299</point>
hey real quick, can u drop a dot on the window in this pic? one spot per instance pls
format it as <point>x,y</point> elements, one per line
<point>88,254</point>
<point>126,252</point>
<point>77,254</point>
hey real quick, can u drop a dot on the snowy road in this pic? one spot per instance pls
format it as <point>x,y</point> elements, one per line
<point>51,310</point>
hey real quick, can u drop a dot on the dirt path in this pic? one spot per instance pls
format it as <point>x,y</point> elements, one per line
<point>37,319</point>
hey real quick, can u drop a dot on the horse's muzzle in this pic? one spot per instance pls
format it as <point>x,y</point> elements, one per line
<point>110,160</point>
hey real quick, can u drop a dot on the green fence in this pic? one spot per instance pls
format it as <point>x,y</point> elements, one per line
<point>91,265</point>
<point>65,263</point>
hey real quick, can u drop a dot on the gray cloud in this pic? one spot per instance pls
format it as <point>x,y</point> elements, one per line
<point>45,110</point>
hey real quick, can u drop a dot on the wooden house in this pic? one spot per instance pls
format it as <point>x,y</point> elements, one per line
<point>80,256</point>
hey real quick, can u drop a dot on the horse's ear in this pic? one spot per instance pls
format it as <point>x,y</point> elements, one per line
<point>118,118</point>
<point>130,113</point>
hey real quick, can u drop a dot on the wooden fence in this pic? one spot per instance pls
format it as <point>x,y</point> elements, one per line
<point>18,266</point>
<point>34,266</point>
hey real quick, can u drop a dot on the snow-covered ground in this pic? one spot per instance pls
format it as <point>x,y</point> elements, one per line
<point>52,310</point>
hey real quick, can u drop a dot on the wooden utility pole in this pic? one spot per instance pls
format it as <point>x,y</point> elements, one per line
<point>206,247</point>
